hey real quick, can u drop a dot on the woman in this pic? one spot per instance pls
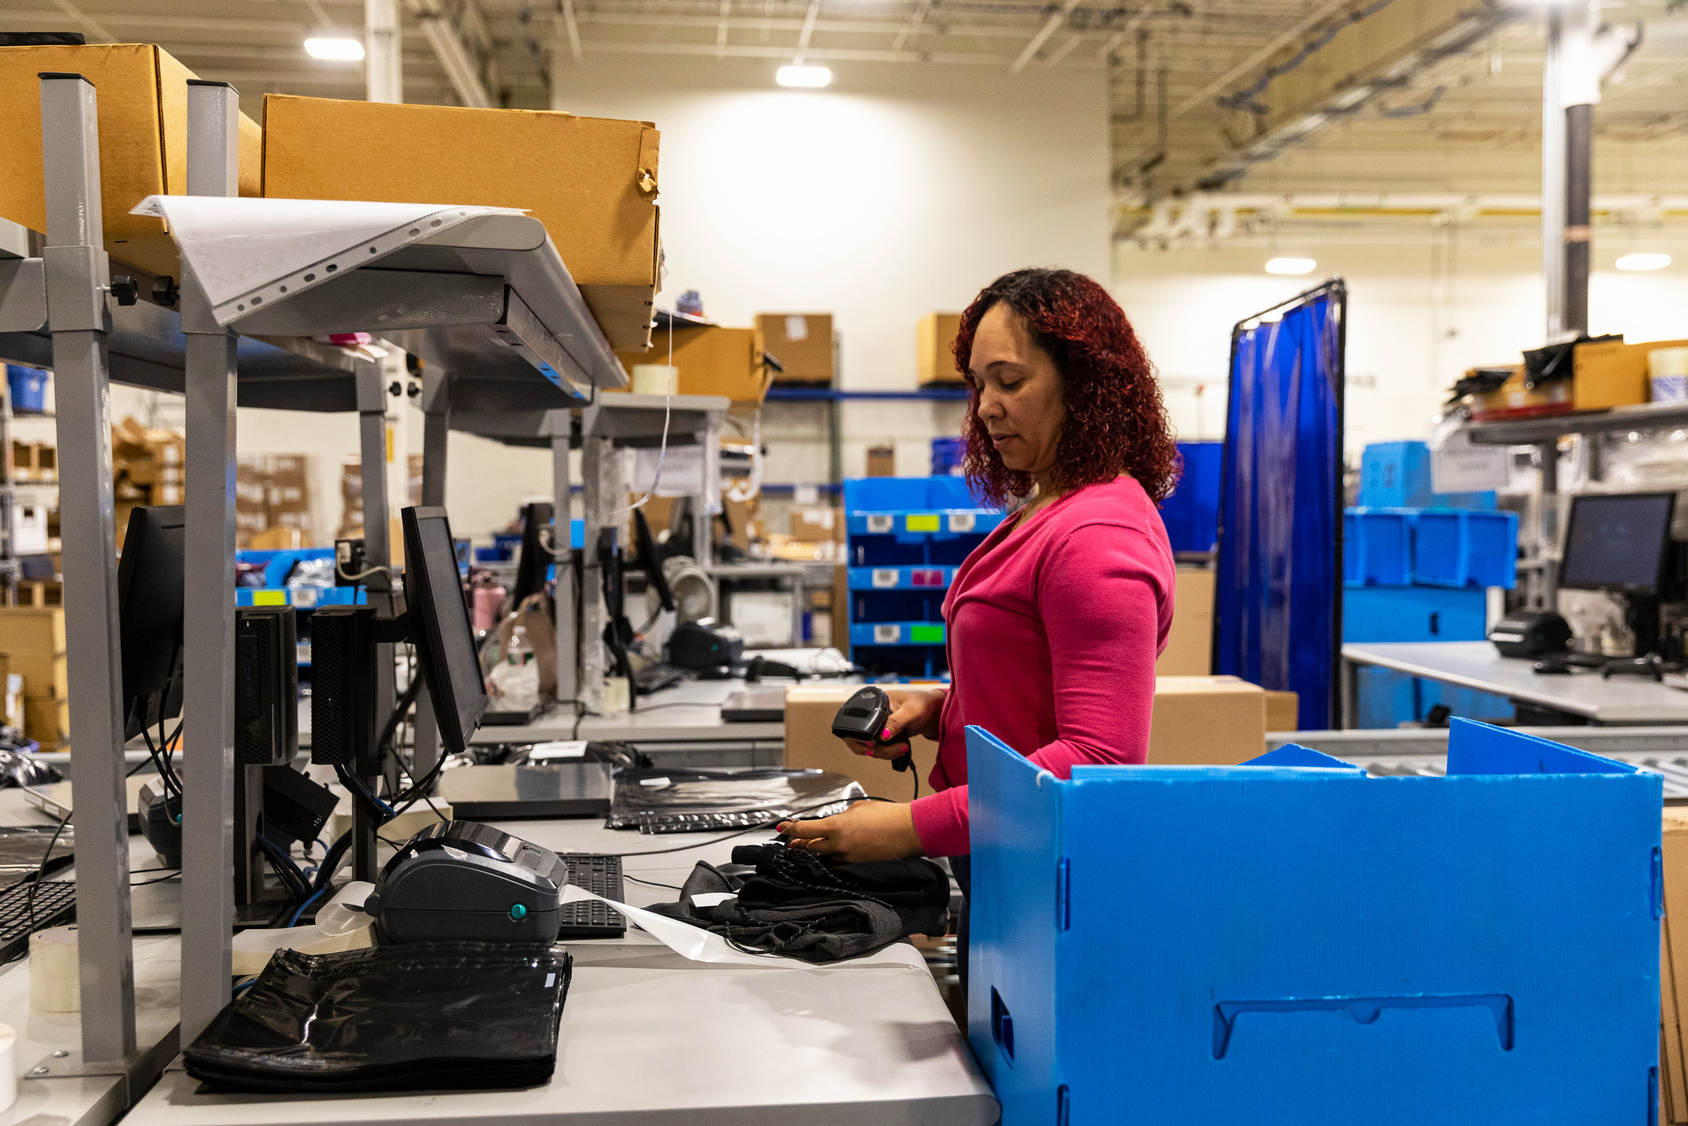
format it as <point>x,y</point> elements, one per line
<point>1056,619</point>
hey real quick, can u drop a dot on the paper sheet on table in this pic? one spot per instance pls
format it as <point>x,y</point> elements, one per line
<point>237,245</point>
<point>698,945</point>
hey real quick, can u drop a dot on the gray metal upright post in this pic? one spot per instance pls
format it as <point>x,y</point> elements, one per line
<point>377,554</point>
<point>78,284</point>
<point>208,624</point>
<point>436,427</point>
<point>604,491</point>
<point>1553,176</point>
<point>561,543</point>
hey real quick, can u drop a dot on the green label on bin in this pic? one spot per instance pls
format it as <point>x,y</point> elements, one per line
<point>921,522</point>
<point>926,635</point>
<point>269,598</point>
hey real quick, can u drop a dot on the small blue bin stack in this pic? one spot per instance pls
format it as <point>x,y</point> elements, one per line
<point>904,538</point>
<point>1291,941</point>
<point>1416,567</point>
<point>28,389</point>
<point>1191,513</point>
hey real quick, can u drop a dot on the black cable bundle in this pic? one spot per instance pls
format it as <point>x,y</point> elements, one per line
<point>421,1017</point>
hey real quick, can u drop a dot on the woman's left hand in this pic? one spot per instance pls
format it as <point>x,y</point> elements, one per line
<point>868,830</point>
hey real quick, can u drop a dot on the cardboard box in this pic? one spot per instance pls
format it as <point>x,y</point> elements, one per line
<point>936,356</point>
<point>1282,711</point>
<point>1674,958</point>
<point>810,743</point>
<point>1197,719</point>
<point>1189,643</point>
<point>34,644</point>
<point>592,181</point>
<point>801,342</point>
<point>1611,373</point>
<point>1514,400</point>
<point>1207,720</point>
<point>882,461</point>
<point>712,361</point>
<point>143,115</point>
<point>46,719</point>
<point>814,525</point>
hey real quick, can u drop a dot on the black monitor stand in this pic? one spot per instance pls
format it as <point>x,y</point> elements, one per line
<point>1641,616</point>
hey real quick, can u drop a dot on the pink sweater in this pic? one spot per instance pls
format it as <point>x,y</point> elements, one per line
<point>1054,628</point>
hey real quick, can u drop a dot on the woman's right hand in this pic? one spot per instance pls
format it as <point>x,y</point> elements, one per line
<point>914,711</point>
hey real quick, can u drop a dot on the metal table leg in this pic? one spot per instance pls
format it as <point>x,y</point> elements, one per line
<point>436,423</point>
<point>372,438</point>
<point>1350,714</point>
<point>78,283</point>
<point>561,539</point>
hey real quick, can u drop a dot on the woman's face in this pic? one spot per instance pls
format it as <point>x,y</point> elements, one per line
<point>1019,392</point>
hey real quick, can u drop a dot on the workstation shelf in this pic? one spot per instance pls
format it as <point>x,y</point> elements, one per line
<point>901,578</point>
<point>1533,431</point>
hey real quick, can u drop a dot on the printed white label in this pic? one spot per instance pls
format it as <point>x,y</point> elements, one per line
<point>880,523</point>
<point>655,783</point>
<point>304,597</point>
<point>796,328</point>
<point>884,576</point>
<point>961,522</point>
<point>887,635</point>
<point>712,898</point>
<point>550,980</point>
<point>563,748</point>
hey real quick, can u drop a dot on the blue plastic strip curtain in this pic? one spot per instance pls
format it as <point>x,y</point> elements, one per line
<point>1278,599</point>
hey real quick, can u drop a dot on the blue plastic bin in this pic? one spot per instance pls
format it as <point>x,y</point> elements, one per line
<point>1452,547</point>
<point>1414,613</point>
<point>1377,546</point>
<point>28,388</point>
<point>947,456</point>
<point>1397,475</point>
<point>1290,941</point>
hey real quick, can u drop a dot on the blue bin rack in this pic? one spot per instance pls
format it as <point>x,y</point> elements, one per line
<point>1291,941</point>
<point>1377,546</point>
<point>904,539</point>
<point>1191,513</point>
<point>1429,547</point>
<point>1397,475</point>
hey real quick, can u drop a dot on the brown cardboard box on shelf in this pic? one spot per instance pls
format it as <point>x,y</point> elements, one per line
<point>34,644</point>
<point>595,190</point>
<point>712,361</point>
<point>1189,643</point>
<point>936,343</point>
<point>801,342</point>
<point>1611,373</point>
<point>1207,720</point>
<point>1282,710</point>
<point>46,719</point>
<point>1514,400</point>
<point>815,524</point>
<point>882,461</point>
<point>143,113</point>
<point>810,743</point>
<point>1197,719</point>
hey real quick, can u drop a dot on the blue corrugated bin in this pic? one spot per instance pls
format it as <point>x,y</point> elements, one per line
<point>1292,942</point>
<point>1453,547</point>
<point>28,389</point>
<point>1397,475</point>
<point>1377,546</point>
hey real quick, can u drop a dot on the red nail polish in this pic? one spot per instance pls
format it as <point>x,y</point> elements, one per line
<point>885,734</point>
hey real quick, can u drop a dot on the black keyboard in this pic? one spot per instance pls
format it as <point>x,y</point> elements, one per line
<point>654,678</point>
<point>588,918</point>
<point>55,903</point>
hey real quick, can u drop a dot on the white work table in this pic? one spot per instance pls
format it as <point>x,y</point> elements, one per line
<point>1478,665</point>
<point>646,1037</point>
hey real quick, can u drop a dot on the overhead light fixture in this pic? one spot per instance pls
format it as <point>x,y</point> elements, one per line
<point>335,50</point>
<point>810,76</point>
<point>1643,261</point>
<point>1290,266</point>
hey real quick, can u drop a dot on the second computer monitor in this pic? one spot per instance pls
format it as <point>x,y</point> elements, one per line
<point>1618,542</point>
<point>440,627</point>
<point>149,610</point>
<point>534,561</point>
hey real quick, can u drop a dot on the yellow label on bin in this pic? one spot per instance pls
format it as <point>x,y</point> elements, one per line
<point>269,598</point>
<point>922,522</point>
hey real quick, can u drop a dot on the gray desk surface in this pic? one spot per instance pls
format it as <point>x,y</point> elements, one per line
<point>1476,664</point>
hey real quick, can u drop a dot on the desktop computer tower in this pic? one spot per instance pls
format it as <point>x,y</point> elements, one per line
<point>266,686</point>
<point>343,686</point>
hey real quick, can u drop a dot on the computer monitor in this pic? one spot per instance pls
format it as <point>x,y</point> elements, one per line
<point>534,560</point>
<point>149,609</point>
<point>439,625</point>
<point>1618,542</point>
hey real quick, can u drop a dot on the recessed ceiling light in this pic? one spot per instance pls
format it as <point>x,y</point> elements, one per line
<point>811,76</point>
<point>1643,261</point>
<point>336,50</point>
<point>1290,266</point>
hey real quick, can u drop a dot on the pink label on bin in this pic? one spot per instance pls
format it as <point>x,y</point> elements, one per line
<point>926,576</point>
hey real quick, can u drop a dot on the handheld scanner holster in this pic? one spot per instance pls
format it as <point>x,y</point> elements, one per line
<point>863,716</point>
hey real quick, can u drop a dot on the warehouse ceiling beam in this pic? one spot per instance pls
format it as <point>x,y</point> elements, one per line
<point>92,27</point>
<point>1050,26</point>
<point>721,28</point>
<point>912,28</point>
<point>462,66</point>
<point>571,28</point>
<point>807,33</point>
<point>383,64</point>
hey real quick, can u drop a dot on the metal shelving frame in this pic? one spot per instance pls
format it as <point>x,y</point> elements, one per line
<point>56,312</point>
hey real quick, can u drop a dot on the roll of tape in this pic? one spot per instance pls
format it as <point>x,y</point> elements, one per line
<point>8,1067</point>
<point>655,379</point>
<point>55,985</point>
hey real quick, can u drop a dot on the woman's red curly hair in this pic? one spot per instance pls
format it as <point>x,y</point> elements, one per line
<point>1115,420</point>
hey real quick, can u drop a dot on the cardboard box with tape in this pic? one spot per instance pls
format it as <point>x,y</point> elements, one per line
<point>712,360</point>
<point>1189,643</point>
<point>1197,719</point>
<point>936,343</point>
<point>801,342</point>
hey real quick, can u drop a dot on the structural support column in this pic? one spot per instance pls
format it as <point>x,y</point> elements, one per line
<point>563,554</point>
<point>78,283</point>
<point>1553,177</point>
<point>383,51</point>
<point>209,775</point>
<point>604,490</point>
<point>436,425</point>
<point>377,554</point>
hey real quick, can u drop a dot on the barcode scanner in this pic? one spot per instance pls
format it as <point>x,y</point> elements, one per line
<point>863,716</point>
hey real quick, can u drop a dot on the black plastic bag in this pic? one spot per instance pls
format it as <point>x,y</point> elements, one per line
<point>693,799</point>
<point>420,1017</point>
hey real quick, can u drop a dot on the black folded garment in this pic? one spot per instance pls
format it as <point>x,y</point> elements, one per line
<point>798,905</point>
<point>420,1017</point>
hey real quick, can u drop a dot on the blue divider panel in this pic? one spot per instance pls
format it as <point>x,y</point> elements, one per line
<point>1292,942</point>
